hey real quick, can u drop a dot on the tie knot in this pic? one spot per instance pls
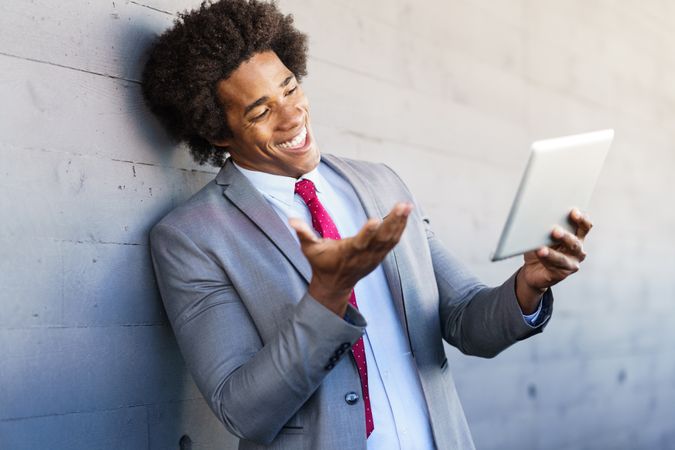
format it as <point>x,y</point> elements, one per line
<point>306,190</point>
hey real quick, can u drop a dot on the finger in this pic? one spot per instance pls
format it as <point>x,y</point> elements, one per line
<point>365,235</point>
<point>401,224</point>
<point>582,222</point>
<point>571,242</point>
<point>305,234</point>
<point>394,223</point>
<point>555,259</point>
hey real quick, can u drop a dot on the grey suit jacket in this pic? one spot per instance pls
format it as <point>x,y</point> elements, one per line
<point>274,364</point>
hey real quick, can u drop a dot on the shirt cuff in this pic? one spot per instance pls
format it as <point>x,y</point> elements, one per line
<point>531,319</point>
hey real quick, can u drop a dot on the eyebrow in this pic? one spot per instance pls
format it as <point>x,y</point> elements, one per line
<point>263,99</point>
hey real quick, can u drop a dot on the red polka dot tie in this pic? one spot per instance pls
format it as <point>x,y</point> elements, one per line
<point>327,229</point>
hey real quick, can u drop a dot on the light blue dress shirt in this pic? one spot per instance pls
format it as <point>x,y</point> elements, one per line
<point>399,410</point>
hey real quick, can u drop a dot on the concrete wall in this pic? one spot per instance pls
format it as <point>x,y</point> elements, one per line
<point>448,92</point>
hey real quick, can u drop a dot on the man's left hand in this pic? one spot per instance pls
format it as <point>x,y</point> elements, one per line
<point>547,266</point>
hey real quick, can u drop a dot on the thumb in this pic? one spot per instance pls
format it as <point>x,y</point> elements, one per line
<point>305,234</point>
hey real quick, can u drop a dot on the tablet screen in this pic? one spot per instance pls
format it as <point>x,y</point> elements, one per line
<point>560,175</point>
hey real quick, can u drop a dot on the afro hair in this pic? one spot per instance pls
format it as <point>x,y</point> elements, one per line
<point>203,47</point>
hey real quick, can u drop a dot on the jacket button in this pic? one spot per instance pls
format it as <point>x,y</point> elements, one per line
<point>351,398</point>
<point>345,345</point>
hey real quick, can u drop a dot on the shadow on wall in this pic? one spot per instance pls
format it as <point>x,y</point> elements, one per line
<point>157,142</point>
<point>178,417</point>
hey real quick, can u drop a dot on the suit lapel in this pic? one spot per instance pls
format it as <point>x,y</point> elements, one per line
<point>249,201</point>
<point>374,209</point>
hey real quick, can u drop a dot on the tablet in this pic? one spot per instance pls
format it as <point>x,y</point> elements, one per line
<point>560,175</point>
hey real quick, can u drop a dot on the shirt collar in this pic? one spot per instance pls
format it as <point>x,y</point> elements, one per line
<point>281,187</point>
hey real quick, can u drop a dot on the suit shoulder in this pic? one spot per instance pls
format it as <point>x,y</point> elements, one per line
<point>374,172</point>
<point>202,205</point>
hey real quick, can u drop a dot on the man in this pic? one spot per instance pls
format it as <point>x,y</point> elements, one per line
<point>269,313</point>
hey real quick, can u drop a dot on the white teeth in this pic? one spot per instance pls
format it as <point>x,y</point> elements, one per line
<point>296,141</point>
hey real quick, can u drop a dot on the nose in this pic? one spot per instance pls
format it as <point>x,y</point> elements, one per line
<point>291,117</point>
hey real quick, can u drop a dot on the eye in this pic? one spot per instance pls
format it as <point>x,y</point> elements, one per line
<point>261,115</point>
<point>292,91</point>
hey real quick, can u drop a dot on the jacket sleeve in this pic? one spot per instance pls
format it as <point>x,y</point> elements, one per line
<point>477,319</point>
<point>254,389</point>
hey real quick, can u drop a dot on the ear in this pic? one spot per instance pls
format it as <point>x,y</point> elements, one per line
<point>225,143</point>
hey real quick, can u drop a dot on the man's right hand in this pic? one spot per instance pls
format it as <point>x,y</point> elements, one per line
<point>337,265</point>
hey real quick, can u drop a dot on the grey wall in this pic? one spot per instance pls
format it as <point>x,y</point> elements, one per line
<point>448,92</point>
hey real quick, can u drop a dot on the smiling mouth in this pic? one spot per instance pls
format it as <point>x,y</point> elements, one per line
<point>297,142</point>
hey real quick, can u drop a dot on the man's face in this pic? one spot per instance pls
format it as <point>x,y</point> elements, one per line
<point>269,117</point>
